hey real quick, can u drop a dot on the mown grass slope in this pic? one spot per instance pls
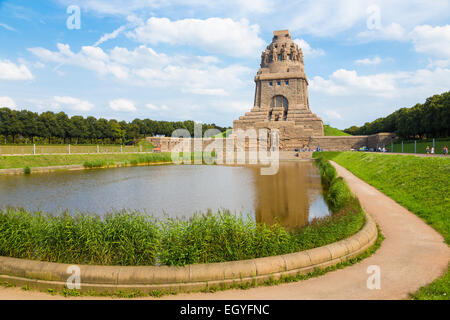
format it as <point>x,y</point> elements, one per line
<point>330,131</point>
<point>7,162</point>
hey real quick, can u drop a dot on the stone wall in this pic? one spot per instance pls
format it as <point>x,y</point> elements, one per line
<point>346,143</point>
<point>288,142</point>
<point>341,143</point>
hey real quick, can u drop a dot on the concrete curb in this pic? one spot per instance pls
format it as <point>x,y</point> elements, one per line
<point>45,275</point>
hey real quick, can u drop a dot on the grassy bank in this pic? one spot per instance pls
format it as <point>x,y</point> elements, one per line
<point>419,184</point>
<point>27,149</point>
<point>133,238</point>
<point>7,162</point>
<point>420,146</point>
<point>330,131</point>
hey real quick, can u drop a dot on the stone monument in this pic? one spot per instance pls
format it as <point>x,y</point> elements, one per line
<point>281,95</point>
<point>281,102</point>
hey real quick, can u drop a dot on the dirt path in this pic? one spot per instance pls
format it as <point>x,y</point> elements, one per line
<point>412,255</point>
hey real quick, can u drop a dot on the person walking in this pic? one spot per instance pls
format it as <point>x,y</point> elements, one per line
<point>432,150</point>
<point>428,150</point>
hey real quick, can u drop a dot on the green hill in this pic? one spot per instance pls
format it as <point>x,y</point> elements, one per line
<point>330,131</point>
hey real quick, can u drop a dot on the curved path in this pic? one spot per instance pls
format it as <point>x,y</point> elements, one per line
<point>412,255</point>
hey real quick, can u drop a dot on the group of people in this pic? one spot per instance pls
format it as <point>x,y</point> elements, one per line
<point>308,149</point>
<point>444,150</point>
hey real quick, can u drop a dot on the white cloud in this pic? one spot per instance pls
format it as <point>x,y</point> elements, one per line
<point>156,108</point>
<point>109,36</point>
<point>307,50</point>
<point>216,35</point>
<point>7,27</point>
<point>7,102</point>
<point>360,98</point>
<point>330,17</point>
<point>122,105</point>
<point>71,103</point>
<point>419,83</point>
<point>368,61</point>
<point>133,21</point>
<point>333,114</point>
<point>125,7</point>
<point>394,31</point>
<point>324,18</point>
<point>434,41</point>
<point>11,71</point>
<point>348,82</point>
<point>143,66</point>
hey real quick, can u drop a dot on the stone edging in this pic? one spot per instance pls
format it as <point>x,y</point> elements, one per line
<point>45,275</point>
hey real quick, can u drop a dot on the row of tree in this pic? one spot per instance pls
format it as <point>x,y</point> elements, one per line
<point>428,120</point>
<point>49,127</point>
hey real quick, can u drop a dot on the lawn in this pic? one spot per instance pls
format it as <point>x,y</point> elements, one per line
<point>420,146</point>
<point>330,131</point>
<point>7,162</point>
<point>419,184</point>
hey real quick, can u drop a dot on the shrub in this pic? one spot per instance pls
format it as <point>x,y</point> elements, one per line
<point>95,164</point>
<point>27,170</point>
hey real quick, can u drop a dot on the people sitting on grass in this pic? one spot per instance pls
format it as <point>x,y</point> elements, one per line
<point>445,150</point>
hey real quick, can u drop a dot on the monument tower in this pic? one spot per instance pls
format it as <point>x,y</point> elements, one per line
<point>281,95</point>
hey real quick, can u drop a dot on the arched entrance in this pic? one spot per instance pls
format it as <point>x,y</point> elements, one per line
<point>278,108</point>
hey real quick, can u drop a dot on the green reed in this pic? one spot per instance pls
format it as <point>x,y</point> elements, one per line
<point>133,238</point>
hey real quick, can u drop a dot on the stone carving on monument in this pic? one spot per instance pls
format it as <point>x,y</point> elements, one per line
<point>281,95</point>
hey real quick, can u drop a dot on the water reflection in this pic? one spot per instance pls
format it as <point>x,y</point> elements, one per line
<point>292,197</point>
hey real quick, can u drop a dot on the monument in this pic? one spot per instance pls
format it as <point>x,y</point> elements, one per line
<point>281,95</point>
<point>281,102</point>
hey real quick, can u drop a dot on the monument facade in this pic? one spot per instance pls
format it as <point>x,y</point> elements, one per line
<point>281,95</point>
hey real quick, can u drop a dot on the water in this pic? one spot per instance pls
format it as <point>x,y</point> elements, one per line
<point>292,197</point>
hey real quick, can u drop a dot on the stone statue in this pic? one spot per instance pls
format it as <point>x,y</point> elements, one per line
<point>294,55</point>
<point>284,53</point>
<point>266,57</point>
<point>275,54</point>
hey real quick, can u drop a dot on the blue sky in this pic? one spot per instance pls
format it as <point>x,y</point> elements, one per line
<point>179,60</point>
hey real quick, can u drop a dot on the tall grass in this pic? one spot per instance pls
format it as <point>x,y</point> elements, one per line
<point>337,194</point>
<point>221,237</point>
<point>118,239</point>
<point>133,238</point>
